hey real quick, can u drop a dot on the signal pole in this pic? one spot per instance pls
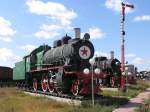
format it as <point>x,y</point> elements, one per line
<point>123,38</point>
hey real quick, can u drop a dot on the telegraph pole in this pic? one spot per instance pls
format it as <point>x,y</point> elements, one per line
<point>123,37</point>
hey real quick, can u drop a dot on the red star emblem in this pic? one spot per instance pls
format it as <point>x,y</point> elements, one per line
<point>84,51</point>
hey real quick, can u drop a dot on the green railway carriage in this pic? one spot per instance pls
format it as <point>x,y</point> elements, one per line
<point>33,61</point>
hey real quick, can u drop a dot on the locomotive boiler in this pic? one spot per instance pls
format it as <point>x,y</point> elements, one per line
<point>74,53</point>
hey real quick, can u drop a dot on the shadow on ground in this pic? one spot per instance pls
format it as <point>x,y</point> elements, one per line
<point>107,101</point>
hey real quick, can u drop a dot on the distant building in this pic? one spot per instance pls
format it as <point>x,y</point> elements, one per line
<point>131,69</point>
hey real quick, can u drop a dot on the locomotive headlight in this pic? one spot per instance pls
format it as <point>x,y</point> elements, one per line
<point>86,71</point>
<point>126,68</point>
<point>97,71</point>
<point>92,61</point>
<point>129,73</point>
<point>123,73</point>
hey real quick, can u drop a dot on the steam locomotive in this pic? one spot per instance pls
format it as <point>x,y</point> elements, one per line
<point>111,70</point>
<point>60,69</point>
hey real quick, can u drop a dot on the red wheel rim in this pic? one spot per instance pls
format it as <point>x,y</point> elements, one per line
<point>44,85</point>
<point>35,84</point>
<point>75,87</point>
<point>51,88</point>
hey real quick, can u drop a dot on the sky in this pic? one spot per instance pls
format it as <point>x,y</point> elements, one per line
<point>27,24</point>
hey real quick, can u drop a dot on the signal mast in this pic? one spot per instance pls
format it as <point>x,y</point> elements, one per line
<point>123,37</point>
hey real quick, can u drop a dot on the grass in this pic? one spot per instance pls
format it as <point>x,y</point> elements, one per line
<point>12,100</point>
<point>96,108</point>
<point>132,91</point>
<point>16,101</point>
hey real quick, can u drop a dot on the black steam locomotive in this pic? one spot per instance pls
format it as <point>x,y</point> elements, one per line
<point>111,69</point>
<point>58,69</point>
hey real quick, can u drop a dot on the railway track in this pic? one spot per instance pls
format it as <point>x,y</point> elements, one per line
<point>56,95</point>
<point>69,99</point>
<point>58,99</point>
<point>65,98</point>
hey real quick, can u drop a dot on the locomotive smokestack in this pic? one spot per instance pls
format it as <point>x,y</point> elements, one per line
<point>111,54</point>
<point>77,32</point>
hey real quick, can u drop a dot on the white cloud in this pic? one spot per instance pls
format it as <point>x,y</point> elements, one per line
<point>6,39</point>
<point>48,31</point>
<point>28,47</point>
<point>130,55</point>
<point>142,18</point>
<point>60,16</point>
<point>7,57</point>
<point>6,32</point>
<point>51,27</point>
<point>138,61</point>
<point>100,53</point>
<point>46,35</point>
<point>96,33</point>
<point>134,59</point>
<point>54,10</point>
<point>115,5</point>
